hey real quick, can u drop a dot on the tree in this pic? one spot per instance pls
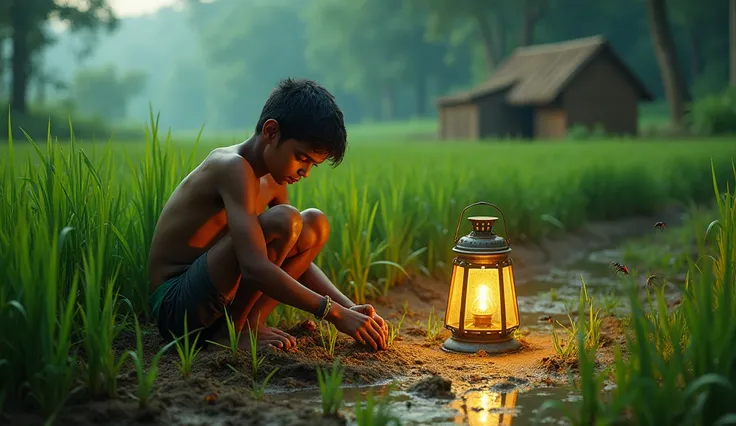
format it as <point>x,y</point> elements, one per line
<point>533,11</point>
<point>374,49</point>
<point>246,57</point>
<point>675,89</point>
<point>466,17</point>
<point>28,20</point>
<point>104,93</point>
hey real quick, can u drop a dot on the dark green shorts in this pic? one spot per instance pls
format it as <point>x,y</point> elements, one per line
<point>193,292</point>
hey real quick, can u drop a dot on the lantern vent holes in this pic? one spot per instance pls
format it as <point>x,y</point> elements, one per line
<point>483,223</point>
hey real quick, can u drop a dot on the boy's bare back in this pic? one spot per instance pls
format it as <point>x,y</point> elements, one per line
<point>194,217</point>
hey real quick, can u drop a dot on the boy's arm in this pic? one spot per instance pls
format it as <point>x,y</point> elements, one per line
<point>313,277</point>
<point>237,185</point>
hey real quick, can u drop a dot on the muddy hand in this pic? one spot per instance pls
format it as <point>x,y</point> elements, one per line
<point>369,310</point>
<point>361,327</point>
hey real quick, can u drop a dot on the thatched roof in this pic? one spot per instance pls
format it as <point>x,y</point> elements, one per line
<point>539,74</point>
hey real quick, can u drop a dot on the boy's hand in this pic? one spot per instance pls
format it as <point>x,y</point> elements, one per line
<point>371,312</point>
<point>361,327</point>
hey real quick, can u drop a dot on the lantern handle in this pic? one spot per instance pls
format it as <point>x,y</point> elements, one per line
<point>462,214</point>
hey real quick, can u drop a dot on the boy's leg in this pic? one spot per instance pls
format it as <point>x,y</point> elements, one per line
<point>311,240</point>
<point>282,226</point>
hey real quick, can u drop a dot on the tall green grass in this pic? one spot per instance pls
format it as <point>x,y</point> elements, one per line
<point>76,221</point>
<point>678,365</point>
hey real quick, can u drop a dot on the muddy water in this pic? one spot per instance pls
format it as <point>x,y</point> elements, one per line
<point>504,401</point>
<point>493,405</point>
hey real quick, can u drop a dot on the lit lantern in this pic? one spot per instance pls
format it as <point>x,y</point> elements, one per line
<point>482,310</point>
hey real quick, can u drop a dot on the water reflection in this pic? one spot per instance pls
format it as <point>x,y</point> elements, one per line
<point>486,408</point>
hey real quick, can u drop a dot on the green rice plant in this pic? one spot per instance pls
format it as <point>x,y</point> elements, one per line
<point>552,295</point>
<point>330,388</point>
<point>440,209</point>
<point>592,410</point>
<point>376,411</point>
<point>79,185</point>
<point>610,302</point>
<point>146,379</point>
<point>258,390</point>
<point>233,336</point>
<point>256,362</point>
<point>328,336</point>
<point>393,330</point>
<point>679,362</point>
<point>434,327</point>
<point>399,225</point>
<point>37,317</point>
<point>187,352</point>
<point>155,178</point>
<point>359,253</point>
<point>591,330</point>
<point>99,315</point>
<point>285,316</point>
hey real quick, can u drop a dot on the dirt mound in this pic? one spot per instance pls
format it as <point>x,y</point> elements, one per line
<point>433,387</point>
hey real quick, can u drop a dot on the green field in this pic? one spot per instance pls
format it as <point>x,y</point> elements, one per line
<point>80,217</point>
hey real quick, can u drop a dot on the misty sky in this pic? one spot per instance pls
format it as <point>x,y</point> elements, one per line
<point>126,8</point>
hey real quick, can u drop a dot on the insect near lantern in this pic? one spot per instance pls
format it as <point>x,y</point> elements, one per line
<point>482,310</point>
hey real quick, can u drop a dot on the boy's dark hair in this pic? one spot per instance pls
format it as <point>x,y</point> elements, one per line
<point>307,112</point>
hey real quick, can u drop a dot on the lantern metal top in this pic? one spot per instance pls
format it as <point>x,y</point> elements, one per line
<point>481,240</point>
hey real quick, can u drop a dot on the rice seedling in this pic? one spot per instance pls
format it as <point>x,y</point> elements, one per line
<point>376,411</point>
<point>591,410</point>
<point>256,362</point>
<point>393,330</point>
<point>285,316</point>
<point>610,302</point>
<point>146,379</point>
<point>187,352</point>
<point>234,337</point>
<point>330,388</point>
<point>328,336</point>
<point>569,349</point>
<point>434,327</point>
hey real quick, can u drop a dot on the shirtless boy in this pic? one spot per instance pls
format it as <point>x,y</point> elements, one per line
<point>216,245</point>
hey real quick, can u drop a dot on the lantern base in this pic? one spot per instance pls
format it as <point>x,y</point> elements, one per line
<point>453,345</point>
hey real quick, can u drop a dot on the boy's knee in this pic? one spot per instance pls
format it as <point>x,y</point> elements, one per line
<point>286,221</point>
<point>317,223</point>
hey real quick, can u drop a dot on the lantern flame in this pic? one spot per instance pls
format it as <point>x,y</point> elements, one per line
<point>483,300</point>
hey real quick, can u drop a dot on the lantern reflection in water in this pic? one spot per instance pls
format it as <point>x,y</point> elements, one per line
<point>484,408</point>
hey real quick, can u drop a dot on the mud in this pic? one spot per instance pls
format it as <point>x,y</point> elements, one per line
<point>219,390</point>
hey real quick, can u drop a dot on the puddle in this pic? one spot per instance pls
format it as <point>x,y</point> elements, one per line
<point>556,293</point>
<point>500,404</point>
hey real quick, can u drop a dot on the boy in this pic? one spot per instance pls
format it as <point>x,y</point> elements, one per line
<point>216,245</point>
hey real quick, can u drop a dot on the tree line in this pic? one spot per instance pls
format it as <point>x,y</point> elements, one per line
<point>388,59</point>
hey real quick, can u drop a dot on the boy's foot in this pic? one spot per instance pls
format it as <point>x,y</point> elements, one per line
<point>269,338</point>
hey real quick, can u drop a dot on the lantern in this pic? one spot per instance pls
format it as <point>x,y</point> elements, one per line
<point>482,310</point>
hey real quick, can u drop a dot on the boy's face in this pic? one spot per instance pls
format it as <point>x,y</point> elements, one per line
<point>291,160</point>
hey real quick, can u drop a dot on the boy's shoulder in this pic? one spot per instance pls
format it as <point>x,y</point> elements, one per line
<point>226,159</point>
<point>225,168</point>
